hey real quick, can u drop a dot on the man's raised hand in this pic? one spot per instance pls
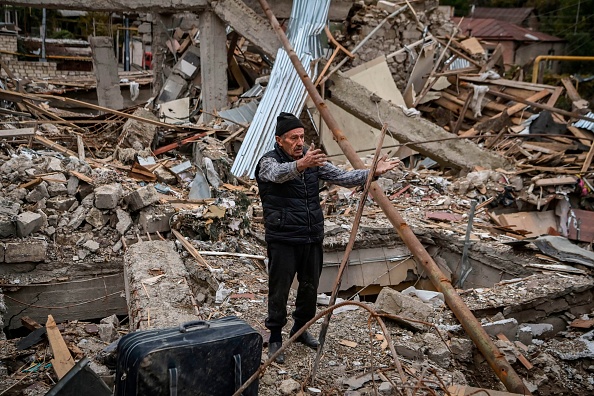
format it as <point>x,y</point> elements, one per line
<point>383,166</point>
<point>314,157</point>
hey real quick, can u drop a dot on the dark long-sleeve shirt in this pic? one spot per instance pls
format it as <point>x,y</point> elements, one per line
<point>275,172</point>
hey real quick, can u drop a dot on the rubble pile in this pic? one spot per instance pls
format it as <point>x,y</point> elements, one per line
<point>147,197</point>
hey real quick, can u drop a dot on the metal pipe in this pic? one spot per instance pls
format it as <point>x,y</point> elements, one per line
<point>536,67</point>
<point>126,44</point>
<point>471,325</point>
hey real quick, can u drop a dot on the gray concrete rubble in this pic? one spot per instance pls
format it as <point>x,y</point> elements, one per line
<point>168,301</point>
<point>131,220</point>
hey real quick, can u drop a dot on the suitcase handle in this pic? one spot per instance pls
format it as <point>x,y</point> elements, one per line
<point>193,325</point>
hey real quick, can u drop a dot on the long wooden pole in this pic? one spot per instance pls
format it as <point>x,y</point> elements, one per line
<point>471,325</point>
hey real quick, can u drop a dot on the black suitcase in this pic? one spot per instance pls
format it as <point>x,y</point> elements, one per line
<point>198,358</point>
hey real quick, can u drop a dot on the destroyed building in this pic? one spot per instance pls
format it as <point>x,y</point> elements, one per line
<point>128,201</point>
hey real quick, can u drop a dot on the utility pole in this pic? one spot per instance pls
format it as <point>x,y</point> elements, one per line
<point>43,34</point>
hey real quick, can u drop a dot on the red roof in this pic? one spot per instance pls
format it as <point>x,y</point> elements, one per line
<point>511,15</point>
<point>493,29</point>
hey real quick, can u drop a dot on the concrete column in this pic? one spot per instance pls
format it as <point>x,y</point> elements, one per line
<point>106,73</point>
<point>161,22</point>
<point>213,63</point>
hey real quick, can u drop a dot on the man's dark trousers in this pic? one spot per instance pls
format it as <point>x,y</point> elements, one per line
<point>286,260</point>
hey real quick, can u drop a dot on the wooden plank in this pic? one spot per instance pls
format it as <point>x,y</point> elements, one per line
<point>63,360</point>
<point>55,146</point>
<point>8,133</point>
<point>191,249</point>
<point>588,160</point>
<point>585,137</point>
<point>572,93</point>
<point>556,181</point>
<point>30,323</point>
<point>555,96</point>
<point>101,295</point>
<point>80,145</point>
<point>536,223</point>
<point>510,111</point>
<point>510,84</point>
<point>542,106</point>
<point>519,355</point>
<point>82,177</point>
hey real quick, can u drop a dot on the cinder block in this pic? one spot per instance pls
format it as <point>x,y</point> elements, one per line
<point>108,196</point>
<point>141,198</point>
<point>156,219</point>
<point>61,203</point>
<point>7,226</point>
<point>25,252</point>
<point>28,223</point>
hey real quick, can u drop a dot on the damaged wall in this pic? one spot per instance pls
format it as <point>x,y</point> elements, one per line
<point>396,33</point>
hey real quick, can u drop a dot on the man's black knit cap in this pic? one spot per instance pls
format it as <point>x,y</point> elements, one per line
<point>286,122</point>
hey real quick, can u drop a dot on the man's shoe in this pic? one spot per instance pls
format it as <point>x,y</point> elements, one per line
<point>272,348</point>
<point>308,340</point>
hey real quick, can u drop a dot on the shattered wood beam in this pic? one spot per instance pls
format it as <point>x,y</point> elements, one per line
<point>250,25</point>
<point>62,361</point>
<point>114,5</point>
<point>471,325</point>
<point>357,100</point>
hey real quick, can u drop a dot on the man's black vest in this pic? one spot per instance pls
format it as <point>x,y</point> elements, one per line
<point>292,212</point>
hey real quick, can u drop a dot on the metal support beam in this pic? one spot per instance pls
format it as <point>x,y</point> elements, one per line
<point>471,325</point>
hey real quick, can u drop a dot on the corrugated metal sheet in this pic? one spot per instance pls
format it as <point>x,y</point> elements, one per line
<point>285,91</point>
<point>489,28</point>
<point>253,92</point>
<point>242,114</point>
<point>458,63</point>
<point>589,125</point>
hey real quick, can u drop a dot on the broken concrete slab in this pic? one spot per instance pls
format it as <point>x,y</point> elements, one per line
<point>362,103</point>
<point>248,24</point>
<point>141,198</point>
<point>562,249</point>
<point>164,175</point>
<point>38,193</point>
<point>153,220</point>
<point>509,327</point>
<point>26,251</point>
<point>124,221</point>
<point>9,207</point>
<point>91,246</point>
<point>28,223</point>
<point>168,303</point>
<point>96,218</point>
<point>139,135</point>
<point>108,196</point>
<point>393,302</point>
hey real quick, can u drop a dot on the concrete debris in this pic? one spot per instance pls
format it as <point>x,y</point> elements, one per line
<point>133,216</point>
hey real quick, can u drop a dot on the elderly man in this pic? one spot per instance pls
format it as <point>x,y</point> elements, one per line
<point>288,182</point>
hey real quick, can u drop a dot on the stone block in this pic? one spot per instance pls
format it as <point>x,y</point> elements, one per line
<point>55,189</point>
<point>461,348</point>
<point>141,198</point>
<point>393,302</point>
<point>165,176</point>
<point>124,221</point>
<point>72,185</point>
<point>410,351</point>
<point>77,218</point>
<point>155,219</point>
<point>509,327</point>
<point>96,218</point>
<point>28,223</point>
<point>540,330</point>
<point>91,246</point>
<point>525,335</point>
<point>108,196</point>
<point>54,165</point>
<point>9,207</point>
<point>62,203</point>
<point>7,226</point>
<point>387,6</point>
<point>25,252</point>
